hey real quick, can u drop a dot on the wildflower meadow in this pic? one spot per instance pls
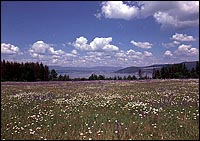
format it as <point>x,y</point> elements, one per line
<point>96,110</point>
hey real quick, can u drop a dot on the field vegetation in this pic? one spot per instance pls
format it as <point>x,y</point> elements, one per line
<point>92,110</point>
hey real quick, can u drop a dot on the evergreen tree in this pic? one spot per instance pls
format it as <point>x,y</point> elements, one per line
<point>53,74</point>
<point>101,77</point>
<point>66,77</point>
<point>129,77</point>
<point>60,78</point>
<point>158,74</point>
<point>134,77</point>
<point>140,74</point>
<point>93,77</point>
<point>119,78</point>
<point>154,74</point>
<point>197,68</point>
<point>46,73</point>
<point>41,72</point>
<point>124,78</point>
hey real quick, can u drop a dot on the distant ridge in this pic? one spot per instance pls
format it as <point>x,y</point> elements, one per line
<point>131,69</point>
<point>60,69</point>
<point>149,69</point>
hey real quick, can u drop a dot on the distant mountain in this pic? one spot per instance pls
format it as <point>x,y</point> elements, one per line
<point>190,65</point>
<point>132,69</point>
<point>60,69</point>
<point>149,69</point>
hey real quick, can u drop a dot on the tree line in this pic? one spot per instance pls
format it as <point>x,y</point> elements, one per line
<point>30,71</point>
<point>177,71</point>
<point>91,77</point>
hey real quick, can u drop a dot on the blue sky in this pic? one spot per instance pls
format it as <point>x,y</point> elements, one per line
<point>100,33</point>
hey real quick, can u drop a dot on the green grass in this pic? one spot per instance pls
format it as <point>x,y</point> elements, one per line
<point>146,110</point>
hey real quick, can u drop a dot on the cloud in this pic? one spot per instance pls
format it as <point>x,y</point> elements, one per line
<point>147,54</point>
<point>132,55</point>
<point>145,45</point>
<point>103,44</point>
<point>56,52</point>
<point>81,44</point>
<point>9,49</point>
<point>98,44</point>
<point>74,52</point>
<point>186,50</point>
<point>165,19</point>
<point>168,53</point>
<point>182,37</point>
<point>189,6</point>
<point>178,14</point>
<point>40,48</point>
<point>118,58</point>
<point>173,44</point>
<point>117,10</point>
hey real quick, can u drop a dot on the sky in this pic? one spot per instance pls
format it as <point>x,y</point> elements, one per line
<point>100,33</point>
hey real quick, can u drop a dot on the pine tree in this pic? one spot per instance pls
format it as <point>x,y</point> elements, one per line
<point>140,74</point>
<point>53,74</point>
<point>197,68</point>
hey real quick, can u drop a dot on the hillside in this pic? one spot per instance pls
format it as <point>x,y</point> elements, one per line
<point>149,69</point>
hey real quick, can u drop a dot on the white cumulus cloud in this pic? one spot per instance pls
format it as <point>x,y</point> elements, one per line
<point>182,37</point>
<point>132,55</point>
<point>81,43</point>
<point>39,47</point>
<point>186,50</point>
<point>41,50</point>
<point>74,52</point>
<point>147,54</point>
<point>117,10</point>
<point>98,44</point>
<point>9,49</point>
<point>55,52</point>
<point>168,53</point>
<point>177,14</point>
<point>145,45</point>
<point>165,19</point>
<point>173,44</point>
<point>189,6</point>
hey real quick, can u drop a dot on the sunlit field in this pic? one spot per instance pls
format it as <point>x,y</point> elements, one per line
<point>147,110</point>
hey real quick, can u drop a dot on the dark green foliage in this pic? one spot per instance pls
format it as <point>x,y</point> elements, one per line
<point>93,77</point>
<point>119,78</point>
<point>178,71</point>
<point>53,75</point>
<point>13,71</point>
<point>140,74</point>
<point>197,68</point>
<point>29,71</point>
<point>130,77</point>
<point>102,77</point>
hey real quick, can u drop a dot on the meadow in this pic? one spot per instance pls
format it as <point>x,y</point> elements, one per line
<point>93,110</point>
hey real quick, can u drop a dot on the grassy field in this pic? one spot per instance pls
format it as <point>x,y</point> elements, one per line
<point>147,110</point>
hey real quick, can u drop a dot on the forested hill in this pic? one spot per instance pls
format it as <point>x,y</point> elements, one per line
<point>149,69</point>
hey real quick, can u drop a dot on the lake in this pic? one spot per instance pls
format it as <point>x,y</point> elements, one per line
<point>106,74</point>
